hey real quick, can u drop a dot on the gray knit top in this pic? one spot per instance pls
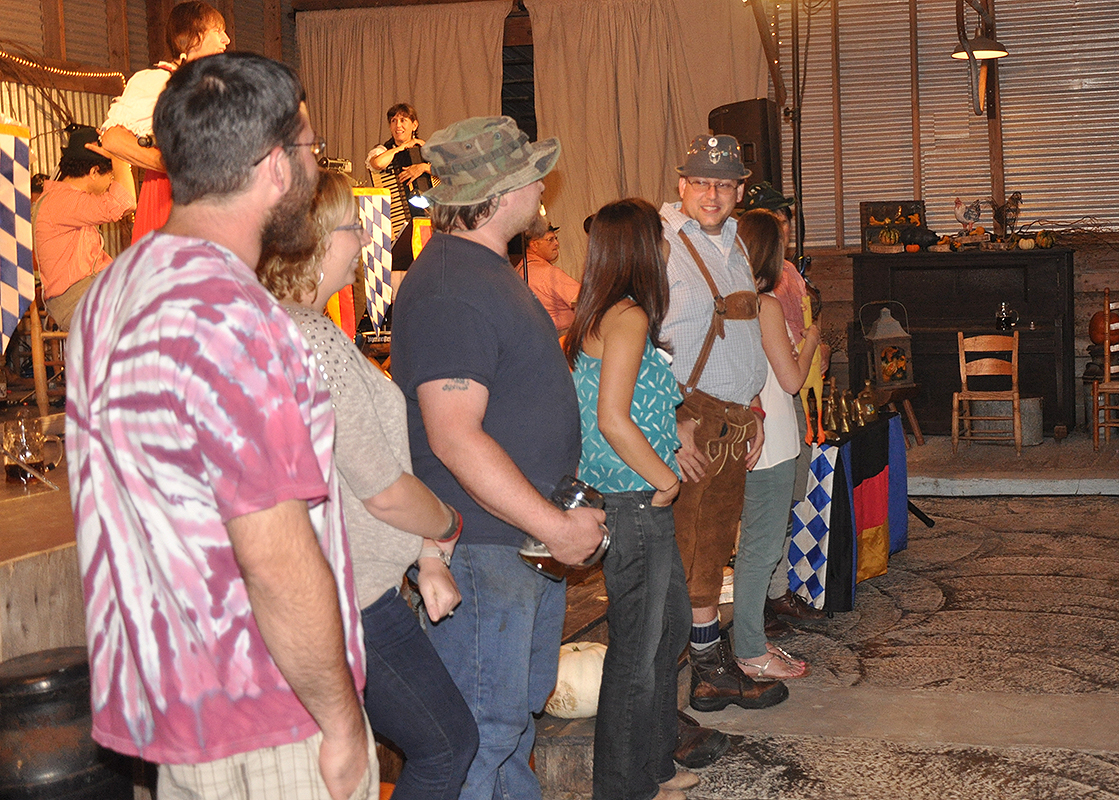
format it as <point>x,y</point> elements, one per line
<point>370,450</point>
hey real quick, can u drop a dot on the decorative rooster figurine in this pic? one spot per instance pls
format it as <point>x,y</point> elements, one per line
<point>814,382</point>
<point>968,215</point>
<point>1006,214</point>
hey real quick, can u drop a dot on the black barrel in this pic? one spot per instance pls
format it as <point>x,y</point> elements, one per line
<point>45,745</point>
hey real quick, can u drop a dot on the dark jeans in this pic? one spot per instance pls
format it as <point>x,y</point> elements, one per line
<point>650,618</point>
<point>411,700</point>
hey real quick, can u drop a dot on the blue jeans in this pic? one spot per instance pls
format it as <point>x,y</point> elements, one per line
<point>765,518</point>
<point>411,700</point>
<point>650,618</point>
<point>501,647</point>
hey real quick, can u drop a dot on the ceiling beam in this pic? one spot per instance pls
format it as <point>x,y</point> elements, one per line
<point>330,5</point>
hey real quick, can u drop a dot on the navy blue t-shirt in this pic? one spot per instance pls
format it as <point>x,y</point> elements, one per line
<point>462,312</point>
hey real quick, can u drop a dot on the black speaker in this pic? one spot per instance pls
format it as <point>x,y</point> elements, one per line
<point>754,123</point>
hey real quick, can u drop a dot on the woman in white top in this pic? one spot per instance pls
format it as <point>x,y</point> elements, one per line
<point>769,486</point>
<point>194,29</point>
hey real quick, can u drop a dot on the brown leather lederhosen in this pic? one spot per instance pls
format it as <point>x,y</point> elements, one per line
<point>707,512</point>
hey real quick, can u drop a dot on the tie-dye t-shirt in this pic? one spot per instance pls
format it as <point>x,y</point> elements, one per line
<point>192,399</point>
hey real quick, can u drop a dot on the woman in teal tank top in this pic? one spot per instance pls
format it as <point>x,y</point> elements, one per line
<point>627,403</point>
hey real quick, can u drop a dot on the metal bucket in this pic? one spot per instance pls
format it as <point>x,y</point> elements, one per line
<point>45,745</point>
<point>1029,407</point>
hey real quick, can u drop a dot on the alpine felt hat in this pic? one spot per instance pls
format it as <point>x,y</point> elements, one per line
<point>714,157</point>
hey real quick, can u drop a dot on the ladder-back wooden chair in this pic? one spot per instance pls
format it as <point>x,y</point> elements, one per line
<point>47,350</point>
<point>1105,392</point>
<point>987,356</point>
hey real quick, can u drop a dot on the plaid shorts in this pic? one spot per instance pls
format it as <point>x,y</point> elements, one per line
<point>285,772</point>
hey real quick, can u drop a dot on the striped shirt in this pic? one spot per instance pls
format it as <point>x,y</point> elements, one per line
<point>192,399</point>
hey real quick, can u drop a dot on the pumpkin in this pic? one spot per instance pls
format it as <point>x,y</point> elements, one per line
<point>1026,244</point>
<point>1097,328</point>
<point>913,248</point>
<point>888,236</point>
<point>578,681</point>
<point>1046,239</point>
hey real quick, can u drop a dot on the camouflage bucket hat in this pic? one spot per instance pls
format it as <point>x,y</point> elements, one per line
<point>714,157</point>
<point>483,157</point>
<point>763,195</point>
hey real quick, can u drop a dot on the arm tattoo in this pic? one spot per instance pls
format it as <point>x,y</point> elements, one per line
<point>456,385</point>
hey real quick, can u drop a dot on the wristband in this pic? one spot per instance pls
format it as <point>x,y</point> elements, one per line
<point>454,529</point>
<point>427,551</point>
<point>759,411</point>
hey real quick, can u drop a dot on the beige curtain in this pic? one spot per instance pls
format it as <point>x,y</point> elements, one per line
<point>625,85</point>
<point>444,59</point>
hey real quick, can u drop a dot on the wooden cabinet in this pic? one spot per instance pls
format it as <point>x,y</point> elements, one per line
<point>948,292</point>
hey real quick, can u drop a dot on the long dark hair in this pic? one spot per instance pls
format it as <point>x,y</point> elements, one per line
<point>624,259</point>
<point>761,232</point>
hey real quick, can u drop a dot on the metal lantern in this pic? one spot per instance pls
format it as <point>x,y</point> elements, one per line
<point>889,350</point>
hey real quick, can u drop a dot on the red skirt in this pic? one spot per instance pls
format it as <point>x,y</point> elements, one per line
<point>153,205</point>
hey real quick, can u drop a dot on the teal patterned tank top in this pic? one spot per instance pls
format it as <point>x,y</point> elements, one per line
<point>655,398</point>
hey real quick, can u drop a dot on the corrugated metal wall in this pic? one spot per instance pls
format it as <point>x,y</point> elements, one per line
<point>87,31</point>
<point>1060,110</point>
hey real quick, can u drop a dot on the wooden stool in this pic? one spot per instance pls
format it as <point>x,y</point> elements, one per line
<point>890,396</point>
<point>40,359</point>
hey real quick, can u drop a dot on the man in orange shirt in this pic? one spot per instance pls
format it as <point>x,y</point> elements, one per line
<point>91,190</point>
<point>556,290</point>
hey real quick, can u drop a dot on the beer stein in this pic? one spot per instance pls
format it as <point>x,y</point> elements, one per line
<point>25,444</point>
<point>569,493</point>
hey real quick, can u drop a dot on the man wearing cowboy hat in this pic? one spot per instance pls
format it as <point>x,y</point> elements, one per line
<point>718,359</point>
<point>494,425</point>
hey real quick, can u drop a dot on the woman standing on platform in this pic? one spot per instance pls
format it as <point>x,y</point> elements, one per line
<point>194,29</point>
<point>393,520</point>
<point>627,402</point>
<point>397,152</point>
<point>769,486</point>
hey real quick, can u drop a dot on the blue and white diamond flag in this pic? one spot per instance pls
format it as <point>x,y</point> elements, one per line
<point>17,276</point>
<point>374,205</point>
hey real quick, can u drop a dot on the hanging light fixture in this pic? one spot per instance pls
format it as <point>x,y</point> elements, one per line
<point>982,48</point>
<point>978,50</point>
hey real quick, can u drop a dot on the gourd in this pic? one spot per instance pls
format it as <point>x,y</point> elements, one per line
<point>888,236</point>
<point>1026,244</point>
<point>1046,239</point>
<point>578,681</point>
<point>912,248</point>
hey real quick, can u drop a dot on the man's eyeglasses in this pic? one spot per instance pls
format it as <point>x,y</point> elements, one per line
<point>317,145</point>
<point>705,184</point>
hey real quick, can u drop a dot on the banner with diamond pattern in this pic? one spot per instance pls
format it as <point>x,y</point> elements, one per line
<point>374,207</point>
<point>17,276</point>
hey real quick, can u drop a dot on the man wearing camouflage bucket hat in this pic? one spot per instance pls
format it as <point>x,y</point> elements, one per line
<point>718,360</point>
<point>494,425</point>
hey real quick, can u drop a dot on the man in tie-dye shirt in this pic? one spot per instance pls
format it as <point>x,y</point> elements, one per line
<point>224,638</point>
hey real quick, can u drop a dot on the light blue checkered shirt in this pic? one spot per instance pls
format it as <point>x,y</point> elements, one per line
<point>736,368</point>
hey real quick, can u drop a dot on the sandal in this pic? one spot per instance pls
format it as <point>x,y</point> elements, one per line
<point>788,658</point>
<point>762,671</point>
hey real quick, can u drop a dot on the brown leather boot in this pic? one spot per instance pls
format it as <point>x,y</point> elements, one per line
<point>717,682</point>
<point>697,746</point>
<point>794,607</point>
<point>775,628</point>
